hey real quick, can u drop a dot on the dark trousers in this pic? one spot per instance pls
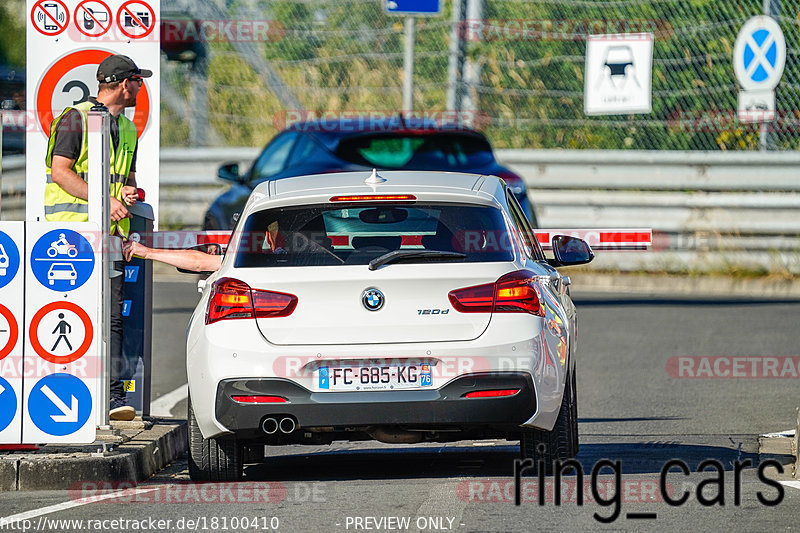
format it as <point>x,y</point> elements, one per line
<point>119,370</point>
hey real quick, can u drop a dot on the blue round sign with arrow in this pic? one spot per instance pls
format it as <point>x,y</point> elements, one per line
<point>60,404</point>
<point>9,259</point>
<point>62,260</point>
<point>8,404</point>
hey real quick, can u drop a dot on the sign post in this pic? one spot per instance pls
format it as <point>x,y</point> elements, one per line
<point>410,9</point>
<point>99,140</point>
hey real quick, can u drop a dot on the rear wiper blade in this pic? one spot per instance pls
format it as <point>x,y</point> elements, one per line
<point>408,255</point>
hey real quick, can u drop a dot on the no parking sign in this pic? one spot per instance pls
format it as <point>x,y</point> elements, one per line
<point>759,56</point>
<point>61,72</point>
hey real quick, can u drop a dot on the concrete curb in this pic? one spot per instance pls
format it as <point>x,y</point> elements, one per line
<point>786,443</point>
<point>134,460</point>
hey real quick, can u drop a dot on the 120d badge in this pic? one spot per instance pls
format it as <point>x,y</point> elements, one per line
<point>432,311</point>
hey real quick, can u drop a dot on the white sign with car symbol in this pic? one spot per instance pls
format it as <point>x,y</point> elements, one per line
<point>618,75</point>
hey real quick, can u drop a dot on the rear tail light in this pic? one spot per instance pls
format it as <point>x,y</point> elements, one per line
<point>374,198</point>
<point>515,292</point>
<point>259,399</point>
<point>491,393</point>
<point>231,298</point>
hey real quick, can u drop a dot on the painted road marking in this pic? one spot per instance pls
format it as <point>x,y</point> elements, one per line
<point>164,405</point>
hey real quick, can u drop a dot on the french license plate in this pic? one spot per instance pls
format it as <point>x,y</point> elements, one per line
<point>375,377</point>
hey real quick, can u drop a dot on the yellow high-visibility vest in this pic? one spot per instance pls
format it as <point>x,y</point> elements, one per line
<point>59,205</point>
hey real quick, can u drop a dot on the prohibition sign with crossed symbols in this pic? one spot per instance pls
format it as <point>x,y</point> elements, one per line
<point>50,25</point>
<point>126,13</point>
<point>92,14</point>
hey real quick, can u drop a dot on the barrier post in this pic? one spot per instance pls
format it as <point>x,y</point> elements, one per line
<point>99,179</point>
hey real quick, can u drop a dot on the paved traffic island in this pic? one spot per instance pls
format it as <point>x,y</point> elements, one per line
<point>141,449</point>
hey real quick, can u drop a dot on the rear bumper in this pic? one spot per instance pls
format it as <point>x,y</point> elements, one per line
<point>441,407</point>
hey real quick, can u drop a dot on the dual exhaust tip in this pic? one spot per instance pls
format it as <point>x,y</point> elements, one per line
<point>270,425</point>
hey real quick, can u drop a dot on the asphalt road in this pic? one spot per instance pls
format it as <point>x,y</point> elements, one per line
<point>634,407</point>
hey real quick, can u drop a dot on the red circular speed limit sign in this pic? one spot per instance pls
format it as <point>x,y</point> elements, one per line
<point>48,355</point>
<point>57,76</point>
<point>13,331</point>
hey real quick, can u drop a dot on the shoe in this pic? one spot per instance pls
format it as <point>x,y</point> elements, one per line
<point>120,410</point>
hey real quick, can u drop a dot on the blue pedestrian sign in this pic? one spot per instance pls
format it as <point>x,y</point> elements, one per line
<point>759,54</point>
<point>60,404</point>
<point>9,259</point>
<point>413,7</point>
<point>8,404</point>
<point>62,260</point>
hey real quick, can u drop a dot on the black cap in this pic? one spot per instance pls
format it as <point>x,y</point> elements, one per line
<point>117,68</point>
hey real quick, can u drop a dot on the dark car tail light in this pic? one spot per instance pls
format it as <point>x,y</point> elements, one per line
<point>512,180</point>
<point>515,292</point>
<point>231,298</point>
<point>374,198</point>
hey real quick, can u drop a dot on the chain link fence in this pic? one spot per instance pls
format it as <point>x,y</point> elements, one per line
<point>514,67</point>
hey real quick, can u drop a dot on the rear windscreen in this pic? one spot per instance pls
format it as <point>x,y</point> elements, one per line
<point>354,234</point>
<point>439,151</point>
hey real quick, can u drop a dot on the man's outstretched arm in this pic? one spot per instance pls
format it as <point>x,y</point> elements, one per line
<point>193,260</point>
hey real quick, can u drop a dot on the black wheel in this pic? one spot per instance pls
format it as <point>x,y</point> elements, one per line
<point>218,459</point>
<point>559,444</point>
<point>574,413</point>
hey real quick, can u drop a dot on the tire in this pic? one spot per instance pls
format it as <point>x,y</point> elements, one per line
<point>559,444</point>
<point>218,459</point>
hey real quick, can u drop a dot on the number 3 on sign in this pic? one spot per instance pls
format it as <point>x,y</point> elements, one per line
<point>76,84</point>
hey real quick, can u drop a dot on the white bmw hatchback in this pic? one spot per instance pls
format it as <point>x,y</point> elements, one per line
<point>402,307</point>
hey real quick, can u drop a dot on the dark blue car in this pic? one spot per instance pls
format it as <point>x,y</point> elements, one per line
<point>316,147</point>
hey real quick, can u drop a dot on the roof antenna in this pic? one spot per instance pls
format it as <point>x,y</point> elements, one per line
<point>374,178</point>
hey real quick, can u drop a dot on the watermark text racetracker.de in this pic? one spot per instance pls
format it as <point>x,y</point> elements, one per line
<point>254,522</point>
<point>347,121</point>
<point>489,30</point>
<point>733,367</point>
<point>184,31</point>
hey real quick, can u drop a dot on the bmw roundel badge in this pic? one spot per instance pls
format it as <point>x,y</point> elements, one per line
<point>373,299</point>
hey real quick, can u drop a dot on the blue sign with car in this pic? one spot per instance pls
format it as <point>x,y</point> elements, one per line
<point>60,404</point>
<point>62,260</point>
<point>8,404</point>
<point>9,259</point>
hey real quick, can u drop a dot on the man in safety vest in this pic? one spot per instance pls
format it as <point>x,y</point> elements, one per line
<point>67,191</point>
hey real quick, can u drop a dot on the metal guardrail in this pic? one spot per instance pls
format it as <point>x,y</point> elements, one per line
<point>708,210</point>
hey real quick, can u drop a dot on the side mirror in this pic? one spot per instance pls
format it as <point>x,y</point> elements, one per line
<point>571,251</point>
<point>229,172</point>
